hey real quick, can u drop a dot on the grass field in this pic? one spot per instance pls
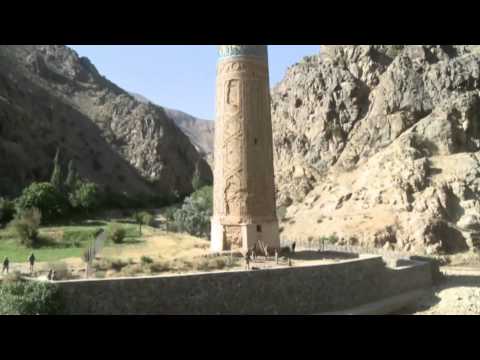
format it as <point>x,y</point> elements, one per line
<point>63,242</point>
<point>63,247</point>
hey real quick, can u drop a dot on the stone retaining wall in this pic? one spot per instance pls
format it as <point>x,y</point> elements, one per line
<point>297,290</point>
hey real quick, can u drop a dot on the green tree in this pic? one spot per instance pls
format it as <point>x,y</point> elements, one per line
<point>46,198</point>
<point>197,182</point>
<point>72,177</point>
<point>142,218</point>
<point>205,196</point>
<point>56,179</point>
<point>194,215</point>
<point>84,197</point>
<point>7,210</point>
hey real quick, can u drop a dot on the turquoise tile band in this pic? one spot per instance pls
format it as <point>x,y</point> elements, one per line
<point>228,51</point>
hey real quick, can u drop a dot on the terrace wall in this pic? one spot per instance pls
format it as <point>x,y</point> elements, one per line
<point>296,290</point>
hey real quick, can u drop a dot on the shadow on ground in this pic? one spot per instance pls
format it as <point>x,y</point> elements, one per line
<point>132,241</point>
<point>322,255</point>
<point>92,223</point>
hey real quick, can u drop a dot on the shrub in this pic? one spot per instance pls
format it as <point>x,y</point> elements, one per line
<point>160,266</point>
<point>7,211</point>
<point>103,264</point>
<point>116,233</point>
<point>213,263</point>
<point>201,264</point>
<point>332,239</point>
<point>44,197</point>
<point>145,260</point>
<point>118,264</point>
<point>217,263</point>
<point>26,226</point>
<point>132,270</point>
<point>30,298</point>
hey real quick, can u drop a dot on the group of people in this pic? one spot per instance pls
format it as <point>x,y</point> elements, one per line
<point>251,254</point>
<point>6,264</point>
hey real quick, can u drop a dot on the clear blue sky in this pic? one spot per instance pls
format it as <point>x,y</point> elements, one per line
<point>178,76</point>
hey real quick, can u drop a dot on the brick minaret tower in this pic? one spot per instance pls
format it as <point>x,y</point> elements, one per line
<point>244,189</point>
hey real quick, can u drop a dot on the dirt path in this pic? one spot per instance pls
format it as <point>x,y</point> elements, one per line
<point>459,294</point>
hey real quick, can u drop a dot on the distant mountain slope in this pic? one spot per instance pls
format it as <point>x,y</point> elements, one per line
<point>200,132</point>
<point>49,97</point>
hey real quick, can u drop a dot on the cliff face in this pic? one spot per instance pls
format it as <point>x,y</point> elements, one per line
<point>49,97</point>
<point>380,145</point>
<point>199,131</point>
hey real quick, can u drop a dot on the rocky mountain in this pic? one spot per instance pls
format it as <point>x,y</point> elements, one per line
<point>49,97</point>
<point>381,145</point>
<point>199,131</point>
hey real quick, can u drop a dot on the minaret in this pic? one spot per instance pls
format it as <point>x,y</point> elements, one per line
<point>244,189</point>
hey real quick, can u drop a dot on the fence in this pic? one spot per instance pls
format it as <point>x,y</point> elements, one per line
<point>321,245</point>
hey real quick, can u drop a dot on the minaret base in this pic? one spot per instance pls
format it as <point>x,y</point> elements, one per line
<point>243,236</point>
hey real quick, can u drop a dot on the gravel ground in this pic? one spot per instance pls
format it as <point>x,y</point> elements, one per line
<point>459,294</point>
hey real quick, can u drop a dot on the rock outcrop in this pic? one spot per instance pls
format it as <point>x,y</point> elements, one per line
<point>381,145</point>
<point>49,97</point>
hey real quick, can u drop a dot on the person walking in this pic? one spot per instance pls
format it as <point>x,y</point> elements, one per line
<point>31,260</point>
<point>247,260</point>
<point>6,265</point>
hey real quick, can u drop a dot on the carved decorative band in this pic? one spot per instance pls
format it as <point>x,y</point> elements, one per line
<point>247,67</point>
<point>259,51</point>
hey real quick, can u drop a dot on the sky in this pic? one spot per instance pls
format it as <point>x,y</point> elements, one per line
<point>180,77</point>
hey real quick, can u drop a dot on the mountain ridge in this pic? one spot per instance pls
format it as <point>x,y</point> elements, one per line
<point>49,96</point>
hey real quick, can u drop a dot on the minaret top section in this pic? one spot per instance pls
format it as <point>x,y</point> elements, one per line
<point>229,51</point>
